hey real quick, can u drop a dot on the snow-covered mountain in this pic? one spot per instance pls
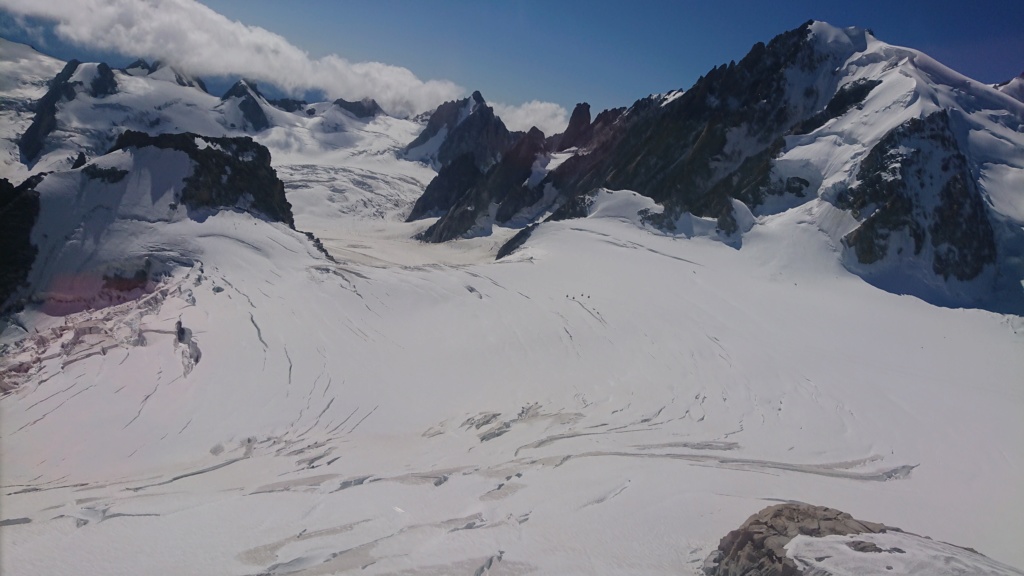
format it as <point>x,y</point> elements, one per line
<point>1014,87</point>
<point>912,170</point>
<point>194,386</point>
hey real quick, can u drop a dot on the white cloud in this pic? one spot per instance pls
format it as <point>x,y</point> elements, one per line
<point>549,117</point>
<point>198,40</point>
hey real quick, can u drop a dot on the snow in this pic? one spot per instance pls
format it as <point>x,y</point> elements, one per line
<point>609,399</point>
<point>669,97</point>
<point>24,75</point>
<point>1014,88</point>
<point>898,553</point>
<point>641,381</point>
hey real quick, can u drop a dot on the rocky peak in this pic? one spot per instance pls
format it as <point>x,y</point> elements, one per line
<point>247,96</point>
<point>242,89</point>
<point>365,108</point>
<point>458,127</point>
<point>505,184</point>
<point>578,131</point>
<point>140,68</point>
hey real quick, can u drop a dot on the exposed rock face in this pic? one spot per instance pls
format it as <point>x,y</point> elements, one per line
<point>451,183</point>
<point>104,83</point>
<point>365,108</point>
<point>288,104</point>
<point>757,548</point>
<point>577,132</point>
<point>844,99</point>
<point>894,201</point>
<point>467,125</point>
<point>31,142</point>
<point>503,185</point>
<point>140,67</point>
<point>713,142</point>
<point>226,170</point>
<point>516,242</point>
<point>248,96</point>
<point>735,140</point>
<point>19,210</point>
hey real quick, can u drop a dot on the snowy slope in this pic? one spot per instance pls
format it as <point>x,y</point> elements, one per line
<point>547,413</point>
<point>1014,88</point>
<point>608,399</point>
<point>910,85</point>
<point>24,74</point>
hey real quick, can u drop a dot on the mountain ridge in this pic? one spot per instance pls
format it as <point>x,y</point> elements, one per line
<point>732,135</point>
<point>189,371</point>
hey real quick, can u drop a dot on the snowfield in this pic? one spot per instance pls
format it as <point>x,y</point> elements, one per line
<point>608,399</point>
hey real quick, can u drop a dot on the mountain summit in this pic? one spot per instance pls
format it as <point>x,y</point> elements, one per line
<point>887,149</point>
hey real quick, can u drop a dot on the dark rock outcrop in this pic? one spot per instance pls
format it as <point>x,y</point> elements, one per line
<point>225,172</point>
<point>108,175</point>
<point>516,242</point>
<point>248,96</point>
<point>140,67</point>
<point>848,96</point>
<point>698,150</point>
<point>365,108</point>
<point>471,126</point>
<point>578,132</point>
<point>446,116</point>
<point>451,183</point>
<point>103,83</point>
<point>31,142</point>
<point>757,548</point>
<point>686,154</point>
<point>289,104</point>
<point>19,210</point>
<point>896,178</point>
<point>504,185</point>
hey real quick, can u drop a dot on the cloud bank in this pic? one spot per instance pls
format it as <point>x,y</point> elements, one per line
<point>549,117</point>
<point>202,42</point>
<point>194,38</point>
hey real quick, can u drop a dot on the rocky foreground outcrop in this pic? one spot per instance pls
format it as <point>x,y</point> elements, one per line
<point>796,538</point>
<point>758,547</point>
<point>226,169</point>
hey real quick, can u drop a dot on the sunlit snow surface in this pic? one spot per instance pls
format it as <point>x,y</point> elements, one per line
<point>610,400</point>
<point>891,553</point>
<point>606,400</point>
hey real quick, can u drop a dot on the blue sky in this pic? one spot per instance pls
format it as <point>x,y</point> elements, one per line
<point>610,53</point>
<point>607,53</point>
